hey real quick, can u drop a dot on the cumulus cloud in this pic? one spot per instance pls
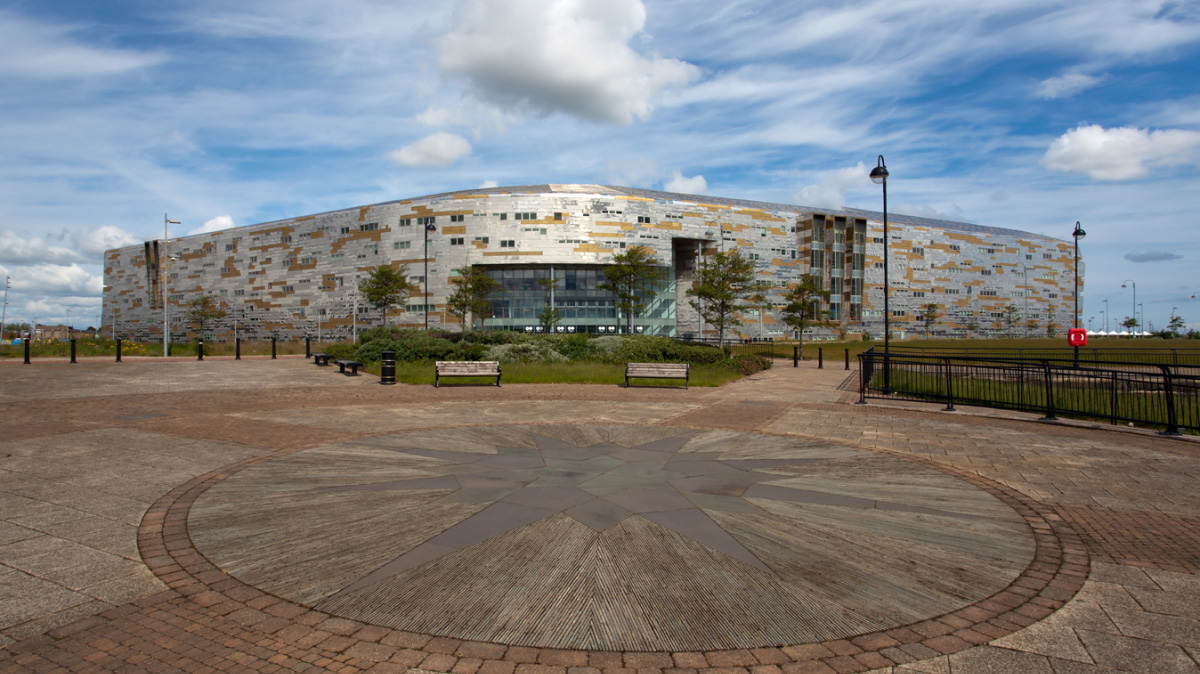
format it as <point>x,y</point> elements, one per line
<point>569,56</point>
<point>57,279</point>
<point>488,184</point>
<point>96,240</point>
<point>1152,256</point>
<point>1065,86</point>
<point>216,224</point>
<point>683,185</point>
<point>438,150</point>
<point>1122,153</point>
<point>830,189</point>
<point>17,249</point>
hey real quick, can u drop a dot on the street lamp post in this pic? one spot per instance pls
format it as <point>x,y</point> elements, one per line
<point>428,228</point>
<point>162,269</point>
<point>1077,235</point>
<point>4,308</point>
<point>1133,308</point>
<point>1025,295</point>
<point>1105,311</point>
<point>879,176</point>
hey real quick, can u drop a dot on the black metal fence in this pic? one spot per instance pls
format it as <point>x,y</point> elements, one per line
<point>1086,354</point>
<point>1160,395</point>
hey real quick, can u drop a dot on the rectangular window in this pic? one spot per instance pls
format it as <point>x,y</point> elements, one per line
<point>643,219</point>
<point>457,240</point>
<point>406,222</point>
<point>368,227</point>
<point>401,245</point>
<point>508,243</point>
<point>456,218</point>
<point>525,216</point>
<point>345,230</point>
<point>482,239</point>
<point>426,221</point>
<point>504,216</point>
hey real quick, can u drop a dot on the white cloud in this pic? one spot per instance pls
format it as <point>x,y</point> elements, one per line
<point>438,150</point>
<point>488,184</point>
<point>1152,256</point>
<point>36,50</point>
<point>1065,86</point>
<point>20,250</point>
<point>678,183</point>
<point>95,240</point>
<point>830,189</point>
<point>55,279</point>
<point>1122,153</point>
<point>215,225</point>
<point>568,56</point>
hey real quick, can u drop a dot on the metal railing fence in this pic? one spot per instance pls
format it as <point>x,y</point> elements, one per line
<point>1171,356</point>
<point>1160,395</point>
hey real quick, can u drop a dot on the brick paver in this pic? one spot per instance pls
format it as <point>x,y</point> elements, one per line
<point>1114,515</point>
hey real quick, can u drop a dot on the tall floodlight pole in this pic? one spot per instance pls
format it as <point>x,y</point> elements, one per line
<point>4,308</point>
<point>879,176</point>
<point>354,313</point>
<point>1025,294</point>
<point>1133,309</point>
<point>428,228</point>
<point>162,269</point>
<point>1106,314</point>
<point>1077,235</point>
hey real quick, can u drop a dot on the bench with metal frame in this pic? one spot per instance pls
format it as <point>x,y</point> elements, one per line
<point>465,368</point>
<point>321,359</point>
<point>657,371</point>
<point>346,363</point>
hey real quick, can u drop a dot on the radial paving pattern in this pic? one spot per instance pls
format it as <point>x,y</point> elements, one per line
<point>623,537</point>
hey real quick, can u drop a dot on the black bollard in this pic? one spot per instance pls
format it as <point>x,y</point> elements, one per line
<point>272,347</point>
<point>237,349</point>
<point>307,346</point>
<point>72,349</point>
<point>200,350</point>
<point>847,352</point>
<point>795,356</point>
<point>820,358</point>
<point>26,350</point>
<point>118,350</point>
<point>387,368</point>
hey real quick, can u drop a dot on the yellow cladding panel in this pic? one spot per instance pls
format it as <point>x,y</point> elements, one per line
<point>783,262</point>
<point>960,236</point>
<point>457,229</point>
<point>470,196</point>
<point>588,248</point>
<point>689,214</point>
<point>611,223</point>
<point>397,263</point>
<point>607,235</point>
<point>628,198</point>
<point>362,213</point>
<point>523,252</point>
<point>479,245</point>
<point>305,217</point>
<point>664,225</point>
<point>319,234</point>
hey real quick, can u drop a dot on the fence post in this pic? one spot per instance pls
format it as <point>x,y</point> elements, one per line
<point>820,358</point>
<point>72,349</point>
<point>864,365</point>
<point>307,346</point>
<point>1049,393</point>
<point>118,350</point>
<point>26,350</point>
<point>272,347</point>
<point>847,354</point>
<point>795,356</point>
<point>200,350</point>
<point>1112,416</point>
<point>1172,420</point>
<point>949,388</point>
<point>237,349</point>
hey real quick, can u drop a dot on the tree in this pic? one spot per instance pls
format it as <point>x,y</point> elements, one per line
<point>630,278</point>
<point>1129,323</point>
<point>1012,315</point>
<point>723,280</point>
<point>1051,330</point>
<point>803,308</point>
<point>202,310</point>
<point>1175,325</point>
<point>385,287</point>
<point>549,316</point>
<point>1032,325</point>
<point>972,326</point>
<point>473,295</point>
<point>929,315</point>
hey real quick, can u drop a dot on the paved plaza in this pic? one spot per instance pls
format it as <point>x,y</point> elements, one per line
<point>273,516</point>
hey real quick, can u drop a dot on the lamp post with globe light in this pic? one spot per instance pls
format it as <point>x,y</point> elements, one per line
<point>1133,309</point>
<point>879,176</point>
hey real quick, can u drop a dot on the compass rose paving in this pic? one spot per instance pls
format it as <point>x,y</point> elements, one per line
<point>612,537</point>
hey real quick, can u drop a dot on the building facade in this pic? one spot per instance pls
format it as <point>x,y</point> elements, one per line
<point>298,276</point>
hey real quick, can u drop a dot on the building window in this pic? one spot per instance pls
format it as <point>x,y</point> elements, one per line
<point>643,219</point>
<point>457,240</point>
<point>482,239</point>
<point>525,216</point>
<point>429,220</point>
<point>368,227</point>
<point>406,222</point>
<point>456,218</point>
<point>504,216</point>
<point>401,245</point>
<point>345,230</point>
<point>558,217</point>
<point>508,243</point>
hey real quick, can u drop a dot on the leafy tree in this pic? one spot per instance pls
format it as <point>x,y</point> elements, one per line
<point>723,280</point>
<point>1051,330</point>
<point>1130,323</point>
<point>1012,315</point>
<point>803,308</point>
<point>202,310</point>
<point>972,327</point>
<point>1032,325</point>
<point>630,278</point>
<point>473,295</point>
<point>1175,325</point>
<point>385,287</point>
<point>929,315</point>
<point>549,316</point>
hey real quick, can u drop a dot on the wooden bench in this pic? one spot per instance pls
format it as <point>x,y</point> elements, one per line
<point>321,358</point>
<point>465,368</point>
<point>352,364</point>
<point>657,371</point>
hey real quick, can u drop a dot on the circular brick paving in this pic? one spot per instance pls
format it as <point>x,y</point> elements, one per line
<point>211,518</point>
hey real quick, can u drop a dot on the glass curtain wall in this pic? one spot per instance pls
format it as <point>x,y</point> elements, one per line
<point>584,307</point>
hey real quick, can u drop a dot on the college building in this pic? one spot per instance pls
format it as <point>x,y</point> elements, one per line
<point>298,276</point>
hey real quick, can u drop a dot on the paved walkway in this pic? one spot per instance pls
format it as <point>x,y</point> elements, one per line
<point>275,516</point>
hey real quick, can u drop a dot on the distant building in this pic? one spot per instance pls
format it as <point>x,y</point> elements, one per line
<point>297,276</point>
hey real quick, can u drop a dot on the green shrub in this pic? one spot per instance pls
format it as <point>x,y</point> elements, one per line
<point>532,351</point>
<point>341,350</point>
<point>749,364</point>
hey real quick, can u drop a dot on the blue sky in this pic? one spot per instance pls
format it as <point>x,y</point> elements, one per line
<point>1014,113</point>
